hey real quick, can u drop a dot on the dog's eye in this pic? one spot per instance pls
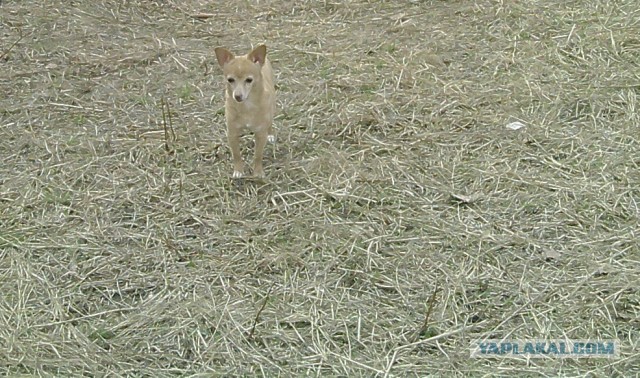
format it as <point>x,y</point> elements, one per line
<point>249,80</point>
<point>231,80</point>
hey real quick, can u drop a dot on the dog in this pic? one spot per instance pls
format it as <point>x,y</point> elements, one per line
<point>250,103</point>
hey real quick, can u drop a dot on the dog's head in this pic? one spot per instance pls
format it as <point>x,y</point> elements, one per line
<point>243,72</point>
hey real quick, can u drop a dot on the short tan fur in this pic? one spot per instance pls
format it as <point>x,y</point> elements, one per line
<point>250,102</point>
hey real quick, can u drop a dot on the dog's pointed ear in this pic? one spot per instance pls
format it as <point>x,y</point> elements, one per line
<point>223,55</point>
<point>258,55</point>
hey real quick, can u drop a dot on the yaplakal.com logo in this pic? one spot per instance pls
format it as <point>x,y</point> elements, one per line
<point>497,348</point>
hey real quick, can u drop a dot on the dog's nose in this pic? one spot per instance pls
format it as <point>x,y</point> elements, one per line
<point>238,97</point>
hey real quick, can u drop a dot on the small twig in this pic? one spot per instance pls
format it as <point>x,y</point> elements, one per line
<point>173,133</point>
<point>167,124</point>
<point>427,316</point>
<point>164,125</point>
<point>202,16</point>
<point>4,54</point>
<point>255,321</point>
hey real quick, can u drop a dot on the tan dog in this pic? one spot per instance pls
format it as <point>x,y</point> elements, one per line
<point>250,102</point>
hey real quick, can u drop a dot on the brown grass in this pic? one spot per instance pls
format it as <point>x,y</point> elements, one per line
<point>399,219</point>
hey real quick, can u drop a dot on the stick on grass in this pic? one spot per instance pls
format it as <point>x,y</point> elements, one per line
<point>255,321</point>
<point>427,315</point>
<point>7,51</point>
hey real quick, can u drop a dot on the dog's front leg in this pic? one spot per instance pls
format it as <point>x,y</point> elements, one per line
<point>261,141</point>
<point>233,134</point>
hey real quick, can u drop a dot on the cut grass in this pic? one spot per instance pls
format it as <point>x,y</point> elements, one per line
<point>400,219</point>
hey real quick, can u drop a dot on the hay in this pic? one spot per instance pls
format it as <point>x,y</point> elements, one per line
<point>399,220</point>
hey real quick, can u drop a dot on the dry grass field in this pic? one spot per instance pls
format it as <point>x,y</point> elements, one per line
<point>400,217</point>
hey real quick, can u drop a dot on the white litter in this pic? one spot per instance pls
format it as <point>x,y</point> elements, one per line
<point>515,125</point>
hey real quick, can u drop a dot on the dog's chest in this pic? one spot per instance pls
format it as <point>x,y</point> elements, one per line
<point>248,117</point>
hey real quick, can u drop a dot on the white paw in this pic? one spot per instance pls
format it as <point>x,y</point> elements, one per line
<point>237,174</point>
<point>271,138</point>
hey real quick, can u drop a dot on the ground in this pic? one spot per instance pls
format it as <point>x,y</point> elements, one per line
<point>400,218</point>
